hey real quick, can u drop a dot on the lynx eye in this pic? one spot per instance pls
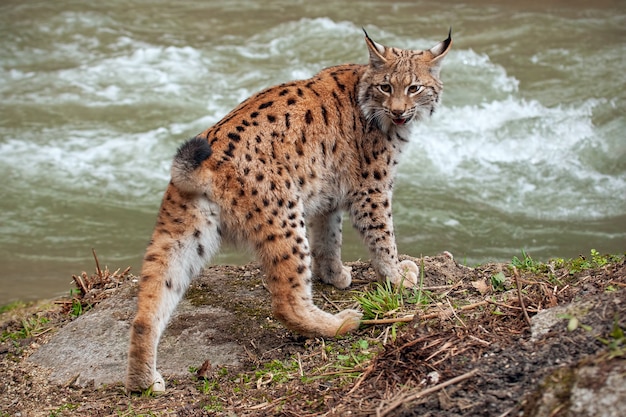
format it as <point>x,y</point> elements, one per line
<point>385,88</point>
<point>413,89</point>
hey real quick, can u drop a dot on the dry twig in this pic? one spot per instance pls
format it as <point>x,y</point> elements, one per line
<point>416,394</point>
<point>519,295</point>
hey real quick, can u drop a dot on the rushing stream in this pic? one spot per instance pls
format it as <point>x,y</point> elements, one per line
<point>527,151</point>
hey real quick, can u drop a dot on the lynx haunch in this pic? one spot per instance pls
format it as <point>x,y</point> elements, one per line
<point>276,174</point>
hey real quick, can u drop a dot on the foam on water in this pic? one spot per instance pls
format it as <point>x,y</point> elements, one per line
<point>486,141</point>
<point>514,154</point>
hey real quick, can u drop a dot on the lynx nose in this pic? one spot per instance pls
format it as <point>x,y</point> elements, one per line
<point>397,113</point>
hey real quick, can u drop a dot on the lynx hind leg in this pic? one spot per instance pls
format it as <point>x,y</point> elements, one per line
<point>325,235</point>
<point>185,237</point>
<point>286,260</point>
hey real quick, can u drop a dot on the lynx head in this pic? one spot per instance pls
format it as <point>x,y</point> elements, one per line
<point>399,85</point>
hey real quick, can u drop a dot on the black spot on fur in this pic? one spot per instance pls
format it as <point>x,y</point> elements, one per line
<point>325,115</point>
<point>341,86</point>
<point>234,136</point>
<point>308,117</point>
<point>229,151</point>
<point>266,105</point>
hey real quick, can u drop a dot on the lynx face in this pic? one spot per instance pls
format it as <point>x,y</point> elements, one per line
<point>401,86</point>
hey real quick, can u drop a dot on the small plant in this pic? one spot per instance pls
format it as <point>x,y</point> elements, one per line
<point>206,386</point>
<point>31,327</point>
<point>526,263</point>
<point>59,411</point>
<point>497,281</point>
<point>77,308</point>
<point>276,371</point>
<point>383,300</point>
<point>573,323</point>
<point>357,355</point>
<point>596,260</point>
<point>616,341</point>
<point>149,393</point>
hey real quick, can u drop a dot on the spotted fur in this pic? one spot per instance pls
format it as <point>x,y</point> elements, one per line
<point>293,155</point>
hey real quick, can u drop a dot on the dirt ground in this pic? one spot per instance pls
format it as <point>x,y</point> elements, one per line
<point>475,341</point>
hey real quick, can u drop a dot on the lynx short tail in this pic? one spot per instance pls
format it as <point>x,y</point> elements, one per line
<point>189,157</point>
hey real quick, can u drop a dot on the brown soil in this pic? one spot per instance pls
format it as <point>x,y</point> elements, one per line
<point>468,351</point>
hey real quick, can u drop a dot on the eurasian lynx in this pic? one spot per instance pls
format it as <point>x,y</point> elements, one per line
<point>294,155</point>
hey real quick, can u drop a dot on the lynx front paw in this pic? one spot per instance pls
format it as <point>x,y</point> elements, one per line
<point>344,279</point>
<point>408,274</point>
<point>350,321</point>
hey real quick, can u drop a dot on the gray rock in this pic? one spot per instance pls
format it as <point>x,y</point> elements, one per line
<point>93,348</point>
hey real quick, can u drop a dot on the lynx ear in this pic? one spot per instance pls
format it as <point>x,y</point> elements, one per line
<point>377,51</point>
<point>439,51</point>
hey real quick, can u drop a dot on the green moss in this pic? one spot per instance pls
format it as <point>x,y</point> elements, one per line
<point>574,265</point>
<point>15,305</point>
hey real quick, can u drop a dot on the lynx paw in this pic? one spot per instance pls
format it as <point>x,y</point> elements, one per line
<point>159,384</point>
<point>156,386</point>
<point>344,279</point>
<point>350,321</point>
<point>408,273</point>
<point>334,273</point>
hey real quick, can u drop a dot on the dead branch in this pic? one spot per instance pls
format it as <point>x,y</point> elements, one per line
<point>389,321</point>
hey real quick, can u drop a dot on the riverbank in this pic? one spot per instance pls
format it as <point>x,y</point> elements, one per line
<point>521,338</point>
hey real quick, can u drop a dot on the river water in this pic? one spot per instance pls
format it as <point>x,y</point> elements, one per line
<point>527,151</point>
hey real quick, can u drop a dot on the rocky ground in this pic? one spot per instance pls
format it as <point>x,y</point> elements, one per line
<point>540,339</point>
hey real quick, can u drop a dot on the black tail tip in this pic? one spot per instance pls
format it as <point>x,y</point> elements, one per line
<point>193,152</point>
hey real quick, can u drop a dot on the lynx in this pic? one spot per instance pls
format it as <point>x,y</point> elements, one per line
<point>294,155</point>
